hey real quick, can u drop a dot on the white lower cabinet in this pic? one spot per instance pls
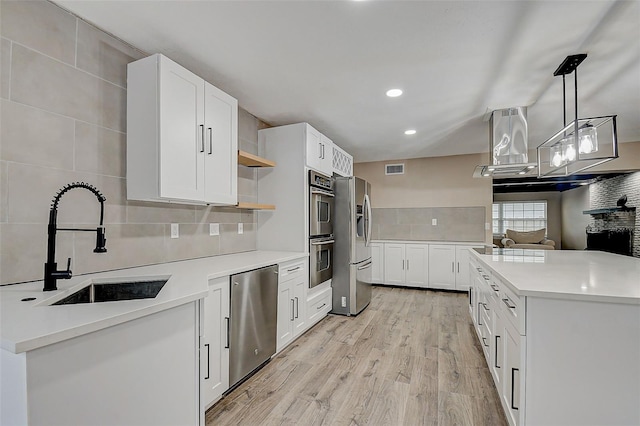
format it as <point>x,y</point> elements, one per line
<point>425,265</point>
<point>293,281</point>
<point>442,271</point>
<point>214,347</point>
<point>377,262</point>
<point>319,305</point>
<point>406,264</point>
<point>512,376</point>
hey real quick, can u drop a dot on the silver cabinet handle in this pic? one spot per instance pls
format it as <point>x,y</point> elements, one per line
<point>495,287</point>
<point>458,267</point>
<point>403,264</point>
<point>321,306</point>
<point>293,269</point>
<point>297,307</point>
<point>453,267</point>
<point>210,141</point>
<point>479,269</point>
<point>202,132</point>
<point>292,308</point>
<point>319,150</point>
<point>496,360</point>
<point>484,342</point>
<point>479,303</point>
<point>228,323</point>
<point>510,306</point>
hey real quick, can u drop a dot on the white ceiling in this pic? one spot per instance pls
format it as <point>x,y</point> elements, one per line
<point>330,63</point>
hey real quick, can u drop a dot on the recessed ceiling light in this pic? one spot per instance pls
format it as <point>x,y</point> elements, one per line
<point>394,93</point>
<point>410,132</point>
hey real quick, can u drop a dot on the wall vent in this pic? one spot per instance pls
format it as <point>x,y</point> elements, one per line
<point>394,169</point>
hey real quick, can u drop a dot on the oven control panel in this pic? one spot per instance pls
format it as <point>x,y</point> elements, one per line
<point>320,180</point>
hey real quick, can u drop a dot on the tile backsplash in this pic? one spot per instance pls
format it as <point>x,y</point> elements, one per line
<point>416,224</point>
<point>63,119</point>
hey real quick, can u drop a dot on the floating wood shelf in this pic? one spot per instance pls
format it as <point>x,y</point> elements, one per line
<point>256,206</point>
<point>250,160</point>
<point>610,210</point>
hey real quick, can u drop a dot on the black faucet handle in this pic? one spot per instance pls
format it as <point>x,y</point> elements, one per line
<point>69,265</point>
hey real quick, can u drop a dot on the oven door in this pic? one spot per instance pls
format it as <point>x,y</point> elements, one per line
<point>320,212</point>
<point>320,260</point>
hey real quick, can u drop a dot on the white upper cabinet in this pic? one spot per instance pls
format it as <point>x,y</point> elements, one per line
<point>342,162</point>
<point>182,136</point>
<point>319,151</point>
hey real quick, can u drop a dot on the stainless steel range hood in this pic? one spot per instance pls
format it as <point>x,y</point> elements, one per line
<point>508,145</point>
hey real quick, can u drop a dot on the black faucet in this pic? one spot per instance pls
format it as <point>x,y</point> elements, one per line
<point>51,273</point>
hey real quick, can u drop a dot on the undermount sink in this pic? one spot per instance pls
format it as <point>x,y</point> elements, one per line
<point>111,290</point>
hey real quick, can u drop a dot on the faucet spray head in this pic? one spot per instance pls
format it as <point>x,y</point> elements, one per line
<point>100,241</point>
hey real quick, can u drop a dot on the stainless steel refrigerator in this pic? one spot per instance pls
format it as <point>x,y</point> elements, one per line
<point>351,279</point>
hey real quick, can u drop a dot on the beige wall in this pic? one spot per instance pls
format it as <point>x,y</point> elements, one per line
<point>574,222</point>
<point>429,182</point>
<point>63,119</point>
<point>554,213</point>
<point>628,159</point>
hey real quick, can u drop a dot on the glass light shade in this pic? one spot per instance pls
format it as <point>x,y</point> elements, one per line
<point>556,156</point>
<point>588,137</point>
<point>569,149</point>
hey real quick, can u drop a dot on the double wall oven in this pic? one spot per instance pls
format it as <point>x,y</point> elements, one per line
<point>321,197</point>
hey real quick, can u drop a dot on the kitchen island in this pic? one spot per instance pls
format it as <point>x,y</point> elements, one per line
<point>121,362</point>
<point>561,334</point>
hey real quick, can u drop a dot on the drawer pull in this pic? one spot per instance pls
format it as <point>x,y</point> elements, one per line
<point>321,306</point>
<point>496,361</point>
<point>513,386</point>
<point>479,269</point>
<point>510,306</point>
<point>495,287</point>
<point>484,342</point>
<point>293,269</point>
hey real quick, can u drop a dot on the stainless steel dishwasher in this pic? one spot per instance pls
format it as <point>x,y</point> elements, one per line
<point>253,321</point>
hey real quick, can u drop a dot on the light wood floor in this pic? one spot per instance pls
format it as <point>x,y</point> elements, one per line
<point>411,358</point>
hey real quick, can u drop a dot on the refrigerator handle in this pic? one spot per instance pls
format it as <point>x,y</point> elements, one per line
<point>367,235</point>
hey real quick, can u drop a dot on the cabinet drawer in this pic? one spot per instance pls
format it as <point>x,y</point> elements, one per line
<point>291,270</point>
<point>319,305</point>
<point>511,306</point>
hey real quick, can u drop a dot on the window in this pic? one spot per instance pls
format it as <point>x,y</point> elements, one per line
<point>519,216</point>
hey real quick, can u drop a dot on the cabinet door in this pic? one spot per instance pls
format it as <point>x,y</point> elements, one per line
<point>462,267</point>
<point>442,266</point>
<point>377,262</point>
<point>496,360</point>
<point>394,264</point>
<point>286,311</point>
<point>182,133</point>
<point>512,374</point>
<point>342,162</point>
<point>326,159</point>
<point>314,149</point>
<point>221,146</point>
<point>215,349</point>
<point>416,265</point>
<point>300,305</point>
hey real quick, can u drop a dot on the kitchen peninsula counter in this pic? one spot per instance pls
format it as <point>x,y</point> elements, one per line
<point>28,325</point>
<point>566,274</point>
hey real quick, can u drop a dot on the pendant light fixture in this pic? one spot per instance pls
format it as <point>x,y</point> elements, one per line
<point>564,154</point>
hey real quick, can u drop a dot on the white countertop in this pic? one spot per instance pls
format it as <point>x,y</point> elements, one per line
<point>29,325</point>
<point>455,243</point>
<point>568,274</point>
